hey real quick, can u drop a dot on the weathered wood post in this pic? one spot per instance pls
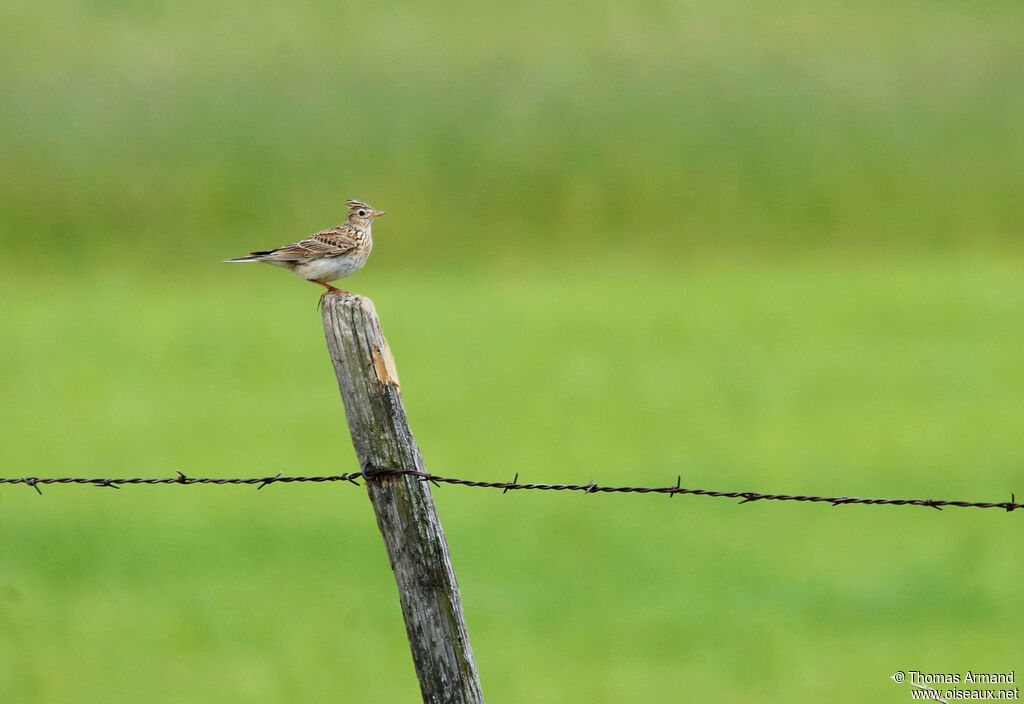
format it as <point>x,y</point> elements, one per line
<point>404,505</point>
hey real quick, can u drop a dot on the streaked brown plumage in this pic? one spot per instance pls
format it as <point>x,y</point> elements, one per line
<point>330,254</point>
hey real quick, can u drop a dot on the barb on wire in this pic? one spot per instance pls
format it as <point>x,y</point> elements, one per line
<point>589,488</point>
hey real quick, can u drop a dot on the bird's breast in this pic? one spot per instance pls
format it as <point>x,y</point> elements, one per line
<point>332,268</point>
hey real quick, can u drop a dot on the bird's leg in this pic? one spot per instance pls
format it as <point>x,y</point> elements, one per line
<point>330,289</point>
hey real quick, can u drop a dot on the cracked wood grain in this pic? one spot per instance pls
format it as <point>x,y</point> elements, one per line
<point>404,505</point>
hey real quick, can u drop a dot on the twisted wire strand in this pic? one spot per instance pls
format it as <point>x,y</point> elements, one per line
<point>514,485</point>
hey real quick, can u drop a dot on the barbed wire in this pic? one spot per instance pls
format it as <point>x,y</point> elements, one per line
<point>514,485</point>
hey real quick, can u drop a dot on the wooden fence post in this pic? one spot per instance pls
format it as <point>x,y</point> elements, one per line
<point>404,505</point>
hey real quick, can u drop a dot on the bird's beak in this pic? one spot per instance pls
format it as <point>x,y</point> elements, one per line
<point>378,213</point>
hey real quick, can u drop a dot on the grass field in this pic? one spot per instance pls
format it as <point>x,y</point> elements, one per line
<point>774,249</point>
<point>901,379</point>
<point>695,125</point>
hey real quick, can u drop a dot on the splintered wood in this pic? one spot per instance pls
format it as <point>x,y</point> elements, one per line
<point>404,505</point>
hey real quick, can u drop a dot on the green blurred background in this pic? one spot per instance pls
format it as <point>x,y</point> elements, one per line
<point>769,247</point>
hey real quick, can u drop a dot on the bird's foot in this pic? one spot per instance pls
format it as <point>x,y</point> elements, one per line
<point>330,289</point>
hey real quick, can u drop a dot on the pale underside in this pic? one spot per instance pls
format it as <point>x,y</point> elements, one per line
<point>328,255</point>
<point>325,269</point>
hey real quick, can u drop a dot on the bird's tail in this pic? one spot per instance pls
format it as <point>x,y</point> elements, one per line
<point>253,257</point>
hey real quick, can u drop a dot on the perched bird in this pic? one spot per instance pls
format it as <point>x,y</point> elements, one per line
<point>330,254</point>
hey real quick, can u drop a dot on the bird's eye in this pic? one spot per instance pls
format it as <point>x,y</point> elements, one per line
<point>362,213</point>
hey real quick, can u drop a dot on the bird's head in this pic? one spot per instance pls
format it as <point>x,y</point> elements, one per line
<point>362,215</point>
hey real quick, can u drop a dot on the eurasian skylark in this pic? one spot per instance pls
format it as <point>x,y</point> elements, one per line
<point>330,254</point>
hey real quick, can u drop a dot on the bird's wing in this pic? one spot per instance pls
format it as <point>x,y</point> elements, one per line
<point>331,242</point>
